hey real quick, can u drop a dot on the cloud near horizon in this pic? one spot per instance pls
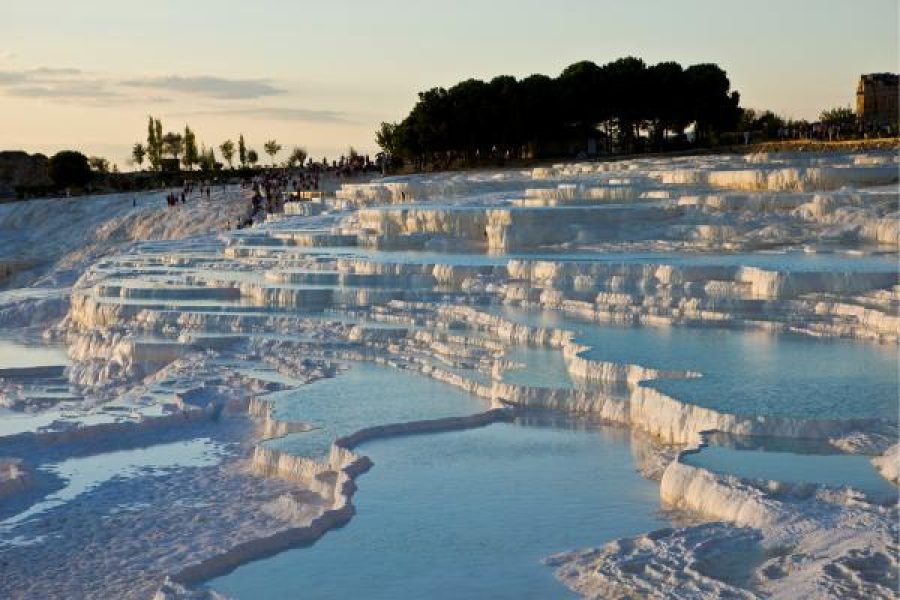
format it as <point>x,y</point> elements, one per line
<point>209,86</point>
<point>75,85</point>
<point>279,113</point>
<point>62,84</point>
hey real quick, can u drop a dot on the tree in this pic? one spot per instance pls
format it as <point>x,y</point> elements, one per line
<point>386,138</point>
<point>191,156</point>
<point>157,125</point>
<point>579,89</point>
<point>242,150</point>
<point>154,143</point>
<point>713,108</point>
<point>137,154</point>
<point>206,159</point>
<point>227,150</point>
<point>69,168</point>
<point>297,157</point>
<point>769,123</point>
<point>252,157</point>
<point>840,116</point>
<point>667,80</point>
<point>98,164</point>
<point>173,144</point>
<point>618,101</point>
<point>272,148</point>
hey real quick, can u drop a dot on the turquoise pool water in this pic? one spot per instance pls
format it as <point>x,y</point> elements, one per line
<point>15,354</point>
<point>365,395</point>
<point>81,474</point>
<point>748,372</point>
<point>795,462</point>
<point>467,514</point>
<point>781,261</point>
<point>538,367</point>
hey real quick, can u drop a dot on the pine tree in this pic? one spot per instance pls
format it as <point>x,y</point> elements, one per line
<point>242,151</point>
<point>190,157</point>
<point>153,144</point>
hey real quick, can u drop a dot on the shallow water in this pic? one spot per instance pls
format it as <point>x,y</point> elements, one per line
<point>807,465</point>
<point>364,396</point>
<point>538,367</point>
<point>467,514</point>
<point>85,473</point>
<point>15,354</point>
<point>783,261</point>
<point>471,513</point>
<point>15,422</point>
<point>747,372</point>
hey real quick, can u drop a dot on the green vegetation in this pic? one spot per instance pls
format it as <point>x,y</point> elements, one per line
<point>298,157</point>
<point>191,156</point>
<point>834,124</point>
<point>173,144</point>
<point>242,151</point>
<point>99,165</point>
<point>168,152</point>
<point>154,143</point>
<point>841,116</point>
<point>623,106</point>
<point>138,152</point>
<point>69,169</point>
<point>765,123</point>
<point>227,150</point>
<point>272,148</point>
<point>206,159</point>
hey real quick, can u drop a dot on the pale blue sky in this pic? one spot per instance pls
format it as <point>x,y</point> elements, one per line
<point>323,74</point>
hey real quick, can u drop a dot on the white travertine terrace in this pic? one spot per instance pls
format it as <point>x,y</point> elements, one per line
<point>786,540</point>
<point>889,463</point>
<point>405,273</point>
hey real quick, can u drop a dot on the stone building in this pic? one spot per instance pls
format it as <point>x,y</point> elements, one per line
<point>876,99</point>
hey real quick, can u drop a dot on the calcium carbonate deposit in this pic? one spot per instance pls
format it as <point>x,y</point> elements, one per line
<point>660,378</point>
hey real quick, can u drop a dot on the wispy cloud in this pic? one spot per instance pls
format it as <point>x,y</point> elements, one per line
<point>280,113</point>
<point>39,75</point>
<point>75,85</point>
<point>68,89</point>
<point>56,83</point>
<point>53,72</point>
<point>209,86</point>
<point>12,77</point>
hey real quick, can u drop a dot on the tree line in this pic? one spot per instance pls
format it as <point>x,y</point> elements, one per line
<point>626,105</point>
<point>182,147</point>
<point>840,122</point>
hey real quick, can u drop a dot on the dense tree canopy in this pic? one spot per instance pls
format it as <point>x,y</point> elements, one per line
<point>840,116</point>
<point>625,104</point>
<point>69,168</point>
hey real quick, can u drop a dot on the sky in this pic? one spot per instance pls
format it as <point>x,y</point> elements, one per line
<point>323,74</point>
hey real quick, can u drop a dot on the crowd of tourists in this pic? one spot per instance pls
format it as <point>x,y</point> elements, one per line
<point>345,166</point>
<point>174,198</point>
<point>271,189</point>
